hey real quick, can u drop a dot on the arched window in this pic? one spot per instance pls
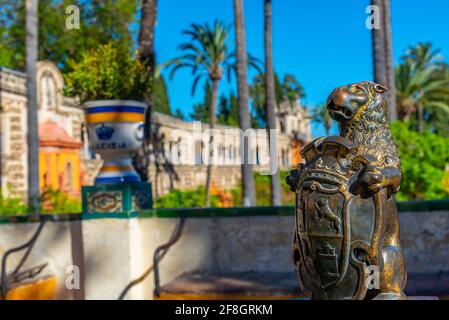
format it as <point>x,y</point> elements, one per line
<point>48,92</point>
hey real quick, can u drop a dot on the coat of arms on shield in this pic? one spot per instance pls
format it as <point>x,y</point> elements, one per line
<point>332,218</point>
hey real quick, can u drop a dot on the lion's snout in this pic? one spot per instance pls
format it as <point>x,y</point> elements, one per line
<point>340,105</point>
<point>344,102</point>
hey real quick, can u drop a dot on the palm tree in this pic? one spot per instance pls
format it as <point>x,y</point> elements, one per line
<point>383,53</point>
<point>291,88</point>
<point>32,121</point>
<point>378,43</point>
<point>320,115</point>
<point>207,54</point>
<point>248,197</point>
<point>146,54</point>
<point>423,55</point>
<point>270,95</point>
<point>288,90</point>
<point>421,83</point>
<point>388,38</point>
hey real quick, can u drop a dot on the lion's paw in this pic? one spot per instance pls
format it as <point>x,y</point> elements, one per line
<point>373,178</point>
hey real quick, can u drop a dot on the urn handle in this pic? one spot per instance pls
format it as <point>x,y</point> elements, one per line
<point>139,132</point>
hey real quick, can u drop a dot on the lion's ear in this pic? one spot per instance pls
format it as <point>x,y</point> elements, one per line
<point>379,88</point>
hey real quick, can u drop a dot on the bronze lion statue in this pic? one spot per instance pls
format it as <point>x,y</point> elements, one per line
<point>349,182</point>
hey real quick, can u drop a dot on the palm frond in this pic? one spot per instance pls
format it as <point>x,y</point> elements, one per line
<point>195,83</point>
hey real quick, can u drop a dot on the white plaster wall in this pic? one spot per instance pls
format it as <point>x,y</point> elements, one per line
<point>195,250</point>
<point>220,245</point>
<point>253,244</point>
<point>112,252</point>
<point>109,254</point>
<point>52,246</point>
<point>425,240</point>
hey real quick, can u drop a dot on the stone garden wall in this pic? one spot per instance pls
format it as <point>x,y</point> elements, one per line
<point>112,250</point>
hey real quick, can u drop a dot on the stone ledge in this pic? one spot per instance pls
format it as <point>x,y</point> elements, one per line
<point>237,284</point>
<point>428,284</point>
<point>262,284</point>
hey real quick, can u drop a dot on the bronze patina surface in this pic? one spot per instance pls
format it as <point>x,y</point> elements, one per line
<point>346,241</point>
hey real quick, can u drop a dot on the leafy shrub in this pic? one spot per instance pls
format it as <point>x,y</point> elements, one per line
<point>55,201</point>
<point>108,72</point>
<point>12,206</point>
<point>52,201</point>
<point>185,199</point>
<point>195,197</point>
<point>263,190</point>
<point>424,157</point>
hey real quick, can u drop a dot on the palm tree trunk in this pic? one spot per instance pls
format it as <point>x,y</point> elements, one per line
<point>212,121</point>
<point>32,120</point>
<point>378,42</point>
<point>420,119</point>
<point>146,51</point>
<point>248,196</point>
<point>391,81</point>
<point>271,98</point>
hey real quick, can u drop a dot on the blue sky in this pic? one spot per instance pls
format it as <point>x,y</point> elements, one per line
<point>324,43</point>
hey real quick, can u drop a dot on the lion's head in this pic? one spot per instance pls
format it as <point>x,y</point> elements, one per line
<point>353,101</point>
<point>361,110</point>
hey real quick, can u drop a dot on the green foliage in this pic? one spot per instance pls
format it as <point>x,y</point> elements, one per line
<point>207,53</point>
<point>422,83</point>
<point>289,89</point>
<point>424,158</point>
<point>195,197</point>
<point>263,190</point>
<point>6,53</point>
<point>179,114</point>
<point>201,110</point>
<point>228,111</point>
<point>101,22</point>
<point>321,115</point>
<point>437,121</point>
<point>52,201</point>
<point>185,199</point>
<point>55,201</point>
<point>257,93</point>
<point>12,206</point>
<point>161,102</point>
<point>108,72</point>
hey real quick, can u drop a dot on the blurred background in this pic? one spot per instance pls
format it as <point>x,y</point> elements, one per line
<point>229,65</point>
<point>316,46</point>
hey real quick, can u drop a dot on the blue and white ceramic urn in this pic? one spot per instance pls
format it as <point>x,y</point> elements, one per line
<point>115,129</point>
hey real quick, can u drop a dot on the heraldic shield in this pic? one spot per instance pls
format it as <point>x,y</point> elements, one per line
<point>337,225</point>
